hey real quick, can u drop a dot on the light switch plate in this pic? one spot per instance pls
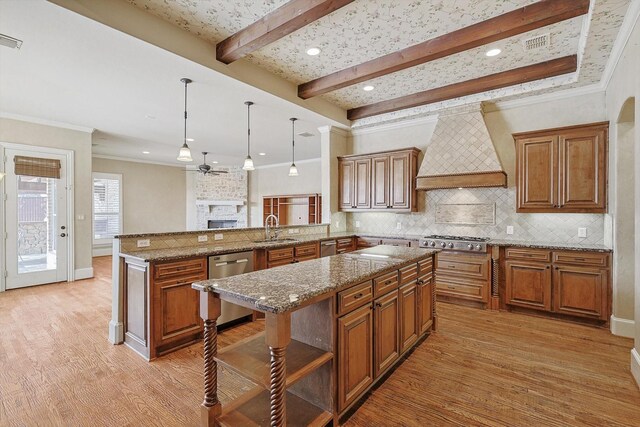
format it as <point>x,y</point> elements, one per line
<point>218,236</point>
<point>357,224</point>
<point>203,238</point>
<point>294,231</point>
<point>144,243</point>
<point>80,217</point>
<point>582,232</point>
<point>509,229</point>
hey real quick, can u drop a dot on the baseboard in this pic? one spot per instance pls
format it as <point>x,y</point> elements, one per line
<point>102,250</point>
<point>116,332</point>
<point>635,365</point>
<point>623,327</point>
<point>83,273</point>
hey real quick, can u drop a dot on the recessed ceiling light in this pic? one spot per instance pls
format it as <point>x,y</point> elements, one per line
<point>190,139</point>
<point>313,51</point>
<point>145,152</point>
<point>493,52</point>
<point>262,154</point>
<point>368,88</point>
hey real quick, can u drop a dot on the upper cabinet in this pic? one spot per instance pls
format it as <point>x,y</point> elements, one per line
<point>563,169</point>
<point>379,181</point>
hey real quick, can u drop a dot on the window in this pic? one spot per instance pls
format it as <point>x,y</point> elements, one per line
<point>107,206</point>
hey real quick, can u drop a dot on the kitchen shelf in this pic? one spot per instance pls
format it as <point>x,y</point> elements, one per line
<point>254,411</point>
<point>250,358</point>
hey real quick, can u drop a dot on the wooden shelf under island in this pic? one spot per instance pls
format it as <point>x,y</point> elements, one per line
<point>333,327</point>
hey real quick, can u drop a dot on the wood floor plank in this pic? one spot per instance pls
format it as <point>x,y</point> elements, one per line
<point>481,368</point>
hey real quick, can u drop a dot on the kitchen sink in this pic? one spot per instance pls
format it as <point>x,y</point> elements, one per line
<point>275,240</point>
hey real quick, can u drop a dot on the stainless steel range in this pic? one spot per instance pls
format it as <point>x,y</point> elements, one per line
<point>455,243</point>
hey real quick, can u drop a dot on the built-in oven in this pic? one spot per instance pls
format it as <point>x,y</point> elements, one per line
<point>221,266</point>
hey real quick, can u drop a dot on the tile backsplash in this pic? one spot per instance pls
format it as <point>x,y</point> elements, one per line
<point>528,227</point>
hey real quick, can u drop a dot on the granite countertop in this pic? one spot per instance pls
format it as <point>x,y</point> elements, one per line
<point>549,245</point>
<point>285,288</point>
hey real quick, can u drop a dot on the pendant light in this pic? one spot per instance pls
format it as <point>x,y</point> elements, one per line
<point>185,153</point>
<point>248,162</point>
<point>293,170</point>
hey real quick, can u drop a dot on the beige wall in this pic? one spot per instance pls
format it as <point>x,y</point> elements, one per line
<point>154,196</point>
<point>275,180</point>
<point>625,84</point>
<point>21,132</point>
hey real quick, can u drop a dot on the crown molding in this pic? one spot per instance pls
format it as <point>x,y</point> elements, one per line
<point>403,123</point>
<point>131,160</point>
<point>333,129</point>
<point>287,164</point>
<point>547,97</point>
<point>39,121</point>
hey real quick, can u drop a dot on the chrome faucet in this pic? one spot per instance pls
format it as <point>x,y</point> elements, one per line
<point>267,227</point>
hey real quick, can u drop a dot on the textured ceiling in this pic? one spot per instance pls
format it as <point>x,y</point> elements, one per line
<point>367,29</point>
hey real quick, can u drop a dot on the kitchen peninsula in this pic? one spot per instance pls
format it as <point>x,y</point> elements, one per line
<point>334,327</point>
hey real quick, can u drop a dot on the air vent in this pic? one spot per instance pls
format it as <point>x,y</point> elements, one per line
<point>306,134</point>
<point>538,42</point>
<point>10,42</point>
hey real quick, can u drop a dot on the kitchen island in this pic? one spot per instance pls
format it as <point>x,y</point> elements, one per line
<point>333,327</point>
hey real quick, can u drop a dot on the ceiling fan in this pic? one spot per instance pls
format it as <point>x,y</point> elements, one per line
<point>205,169</point>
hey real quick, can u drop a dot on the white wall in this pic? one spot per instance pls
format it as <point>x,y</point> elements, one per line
<point>22,132</point>
<point>154,196</point>
<point>275,180</point>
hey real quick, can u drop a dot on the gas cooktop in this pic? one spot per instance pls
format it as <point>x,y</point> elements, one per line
<point>455,243</point>
<point>461,238</point>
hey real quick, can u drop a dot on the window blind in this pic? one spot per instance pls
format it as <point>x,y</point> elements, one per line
<point>106,208</point>
<point>36,166</point>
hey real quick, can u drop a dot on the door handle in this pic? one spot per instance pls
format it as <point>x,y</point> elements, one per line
<point>63,235</point>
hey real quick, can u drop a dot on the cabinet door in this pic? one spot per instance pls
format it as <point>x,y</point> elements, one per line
<point>580,291</point>
<point>380,183</point>
<point>408,319</point>
<point>537,173</point>
<point>400,181</point>
<point>176,310</point>
<point>363,184</point>
<point>386,332</point>
<point>425,304</point>
<point>528,285</point>
<point>583,170</point>
<point>355,356</point>
<point>347,184</point>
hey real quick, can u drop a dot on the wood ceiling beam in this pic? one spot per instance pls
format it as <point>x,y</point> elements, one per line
<point>283,21</point>
<point>526,74</point>
<point>518,21</point>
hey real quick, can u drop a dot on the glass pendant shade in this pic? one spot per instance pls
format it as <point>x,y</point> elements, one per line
<point>1,175</point>
<point>185,153</point>
<point>293,170</point>
<point>248,164</point>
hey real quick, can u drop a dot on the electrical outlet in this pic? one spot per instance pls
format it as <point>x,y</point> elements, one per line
<point>398,226</point>
<point>509,229</point>
<point>337,224</point>
<point>144,243</point>
<point>294,231</point>
<point>582,232</point>
<point>218,236</point>
<point>357,224</point>
<point>203,238</point>
<point>80,217</point>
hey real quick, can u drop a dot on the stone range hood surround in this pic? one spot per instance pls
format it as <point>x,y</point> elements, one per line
<point>461,153</point>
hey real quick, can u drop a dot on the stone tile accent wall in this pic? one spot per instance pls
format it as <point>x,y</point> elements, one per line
<point>229,186</point>
<point>528,227</point>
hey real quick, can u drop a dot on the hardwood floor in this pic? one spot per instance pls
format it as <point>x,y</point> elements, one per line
<point>480,368</point>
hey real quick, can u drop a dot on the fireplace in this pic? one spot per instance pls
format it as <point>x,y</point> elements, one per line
<point>222,223</point>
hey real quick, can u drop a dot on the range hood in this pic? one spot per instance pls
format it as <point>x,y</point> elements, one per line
<point>461,153</point>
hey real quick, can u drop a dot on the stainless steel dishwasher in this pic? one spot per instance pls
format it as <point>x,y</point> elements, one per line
<point>327,248</point>
<point>221,266</point>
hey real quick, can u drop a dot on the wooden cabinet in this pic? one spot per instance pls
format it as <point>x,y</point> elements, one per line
<point>367,242</point>
<point>293,209</point>
<point>408,295</point>
<point>528,285</point>
<point>379,181</point>
<point>563,282</point>
<point>292,254</point>
<point>345,245</point>
<point>562,170</point>
<point>386,332</point>
<point>462,277</point>
<point>355,346</point>
<point>425,303</point>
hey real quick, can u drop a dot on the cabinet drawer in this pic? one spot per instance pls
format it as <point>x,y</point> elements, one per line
<point>425,266</point>
<point>476,267</point>
<point>385,283</point>
<point>182,268</point>
<point>344,243</point>
<point>180,280</point>
<point>364,242</point>
<point>355,297</point>
<point>541,255</point>
<point>409,274</point>
<point>279,254</point>
<point>596,259</point>
<point>306,251</point>
<point>396,242</point>
<point>462,289</point>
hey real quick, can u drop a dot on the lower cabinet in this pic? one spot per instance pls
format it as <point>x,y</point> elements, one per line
<point>425,303</point>
<point>570,282</point>
<point>408,295</point>
<point>355,344</point>
<point>386,313</point>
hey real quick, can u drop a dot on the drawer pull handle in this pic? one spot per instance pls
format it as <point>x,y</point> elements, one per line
<point>378,304</point>
<point>420,282</point>
<point>388,282</point>
<point>358,296</point>
<point>451,287</point>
